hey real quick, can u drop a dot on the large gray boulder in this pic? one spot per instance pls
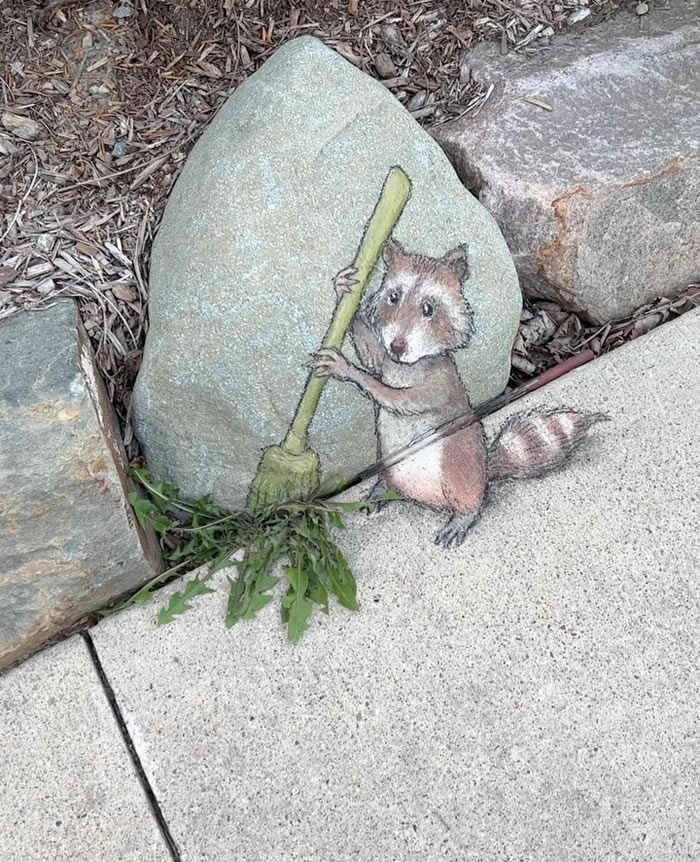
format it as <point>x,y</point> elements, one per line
<point>271,204</point>
<point>70,542</point>
<point>597,197</point>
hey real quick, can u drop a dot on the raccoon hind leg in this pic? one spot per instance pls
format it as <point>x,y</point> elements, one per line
<point>464,485</point>
<point>375,495</point>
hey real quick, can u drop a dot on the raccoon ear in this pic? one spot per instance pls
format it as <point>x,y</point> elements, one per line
<point>458,260</point>
<point>392,249</point>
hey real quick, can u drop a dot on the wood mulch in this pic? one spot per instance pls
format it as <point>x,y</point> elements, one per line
<point>101,102</point>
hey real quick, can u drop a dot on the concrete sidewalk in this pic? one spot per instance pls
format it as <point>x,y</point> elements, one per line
<point>68,788</point>
<point>533,695</point>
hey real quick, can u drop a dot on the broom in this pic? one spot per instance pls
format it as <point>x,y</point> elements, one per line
<point>291,471</point>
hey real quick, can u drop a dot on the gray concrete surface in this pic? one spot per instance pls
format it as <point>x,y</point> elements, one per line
<point>68,789</point>
<point>531,696</point>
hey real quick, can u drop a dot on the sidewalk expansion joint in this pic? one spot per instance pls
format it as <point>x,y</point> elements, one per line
<point>133,754</point>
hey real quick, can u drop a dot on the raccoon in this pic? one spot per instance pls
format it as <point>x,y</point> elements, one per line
<point>405,336</point>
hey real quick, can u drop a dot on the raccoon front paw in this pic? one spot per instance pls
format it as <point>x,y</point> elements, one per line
<point>327,362</point>
<point>345,281</point>
<point>455,531</point>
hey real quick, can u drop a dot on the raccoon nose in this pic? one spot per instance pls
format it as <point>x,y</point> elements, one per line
<point>398,346</point>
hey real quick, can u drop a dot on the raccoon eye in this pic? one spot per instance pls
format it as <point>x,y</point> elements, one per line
<point>428,309</point>
<point>394,297</point>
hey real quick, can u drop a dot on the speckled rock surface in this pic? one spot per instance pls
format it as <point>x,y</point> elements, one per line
<point>271,204</point>
<point>69,790</point>
<point>69,541</point>
<point>597,198</point>
<point>532,695</point>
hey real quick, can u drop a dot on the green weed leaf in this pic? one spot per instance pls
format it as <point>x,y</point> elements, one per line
<point>143,509</point>
<point>178,603</point>
<point>297,536</point>
<point>342,581</point>
<point>319,594</point>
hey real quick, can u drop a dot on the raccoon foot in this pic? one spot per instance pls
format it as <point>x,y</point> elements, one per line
<point>345,281</point>
<point>375,495</point>
<point>455,531</point>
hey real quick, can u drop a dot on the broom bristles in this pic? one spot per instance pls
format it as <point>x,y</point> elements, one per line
<point>292,472</point>
<point>284,478</point>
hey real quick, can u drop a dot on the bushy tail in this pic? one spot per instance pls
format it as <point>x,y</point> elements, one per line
<point>533,444</point>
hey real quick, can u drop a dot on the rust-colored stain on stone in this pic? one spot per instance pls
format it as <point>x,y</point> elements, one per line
<point>99,472</point>
<point>42,408</point>
<point>12,516</point>
<point>552,255</point>
<point>96,472</point>
<point>102,485</point>
<point>96,467</point>
<point>553,258</point>
<point>671,166</point>
<point>43,512</point>
<point>52,411</point>
<point>68,414</point>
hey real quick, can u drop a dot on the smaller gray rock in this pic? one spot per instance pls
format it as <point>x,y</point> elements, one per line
<point>120,149</point>
<point>597,197</point>
<point>46,287</point>
<point>124,10</point>
<point>45,242</point>
<point>70,542</point>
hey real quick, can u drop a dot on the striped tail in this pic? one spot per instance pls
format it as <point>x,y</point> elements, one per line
<point>533,444</point>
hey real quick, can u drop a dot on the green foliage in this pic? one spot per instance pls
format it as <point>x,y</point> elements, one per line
<point>293,542</point>
<point>178,601</point>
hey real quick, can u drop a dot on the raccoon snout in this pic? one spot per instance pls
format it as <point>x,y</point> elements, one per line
<point>398,346</point>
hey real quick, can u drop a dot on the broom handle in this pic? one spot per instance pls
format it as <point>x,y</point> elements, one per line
<point>394,196</point>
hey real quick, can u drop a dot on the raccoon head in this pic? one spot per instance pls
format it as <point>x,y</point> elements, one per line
<point>419,309</point>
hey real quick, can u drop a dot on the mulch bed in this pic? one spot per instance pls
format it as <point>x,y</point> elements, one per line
<point>111,97</point>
